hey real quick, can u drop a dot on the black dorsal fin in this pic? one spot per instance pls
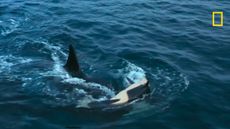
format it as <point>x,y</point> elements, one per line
<point>72,66</point>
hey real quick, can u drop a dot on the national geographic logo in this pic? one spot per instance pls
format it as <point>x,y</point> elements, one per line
<point>217,19</point>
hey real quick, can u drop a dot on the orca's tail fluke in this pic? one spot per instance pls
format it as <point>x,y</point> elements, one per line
<point>72,66</point>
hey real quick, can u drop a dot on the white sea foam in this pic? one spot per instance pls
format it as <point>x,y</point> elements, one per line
<point>7,61</point>
<point>92,85</point>
<point>56,51</point>
<point>9,26</point>
<point>131,72</point>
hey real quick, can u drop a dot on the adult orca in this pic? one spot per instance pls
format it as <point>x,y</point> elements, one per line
<point>131,93</point>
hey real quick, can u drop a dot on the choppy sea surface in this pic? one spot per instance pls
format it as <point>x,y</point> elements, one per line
<point>171,42</point>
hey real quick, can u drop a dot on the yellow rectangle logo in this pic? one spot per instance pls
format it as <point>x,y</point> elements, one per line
<point>221,19</point>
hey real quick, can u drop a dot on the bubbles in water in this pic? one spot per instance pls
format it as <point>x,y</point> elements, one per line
<point>8,26</point>
<point>8,61</point>
<point>131,72</point>
<point>92,85</point>
<point>169,82</point>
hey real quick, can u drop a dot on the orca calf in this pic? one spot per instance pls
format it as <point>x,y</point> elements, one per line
<point>132,92</point>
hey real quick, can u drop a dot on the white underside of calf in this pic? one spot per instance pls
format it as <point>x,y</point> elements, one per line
<point>123,97</point>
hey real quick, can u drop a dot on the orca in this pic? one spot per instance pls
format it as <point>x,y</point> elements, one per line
<point>131,93</point>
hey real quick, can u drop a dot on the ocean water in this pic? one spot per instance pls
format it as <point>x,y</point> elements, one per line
<point>171,42</point>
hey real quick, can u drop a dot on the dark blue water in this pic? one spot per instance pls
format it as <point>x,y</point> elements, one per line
<point>171,42</point>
